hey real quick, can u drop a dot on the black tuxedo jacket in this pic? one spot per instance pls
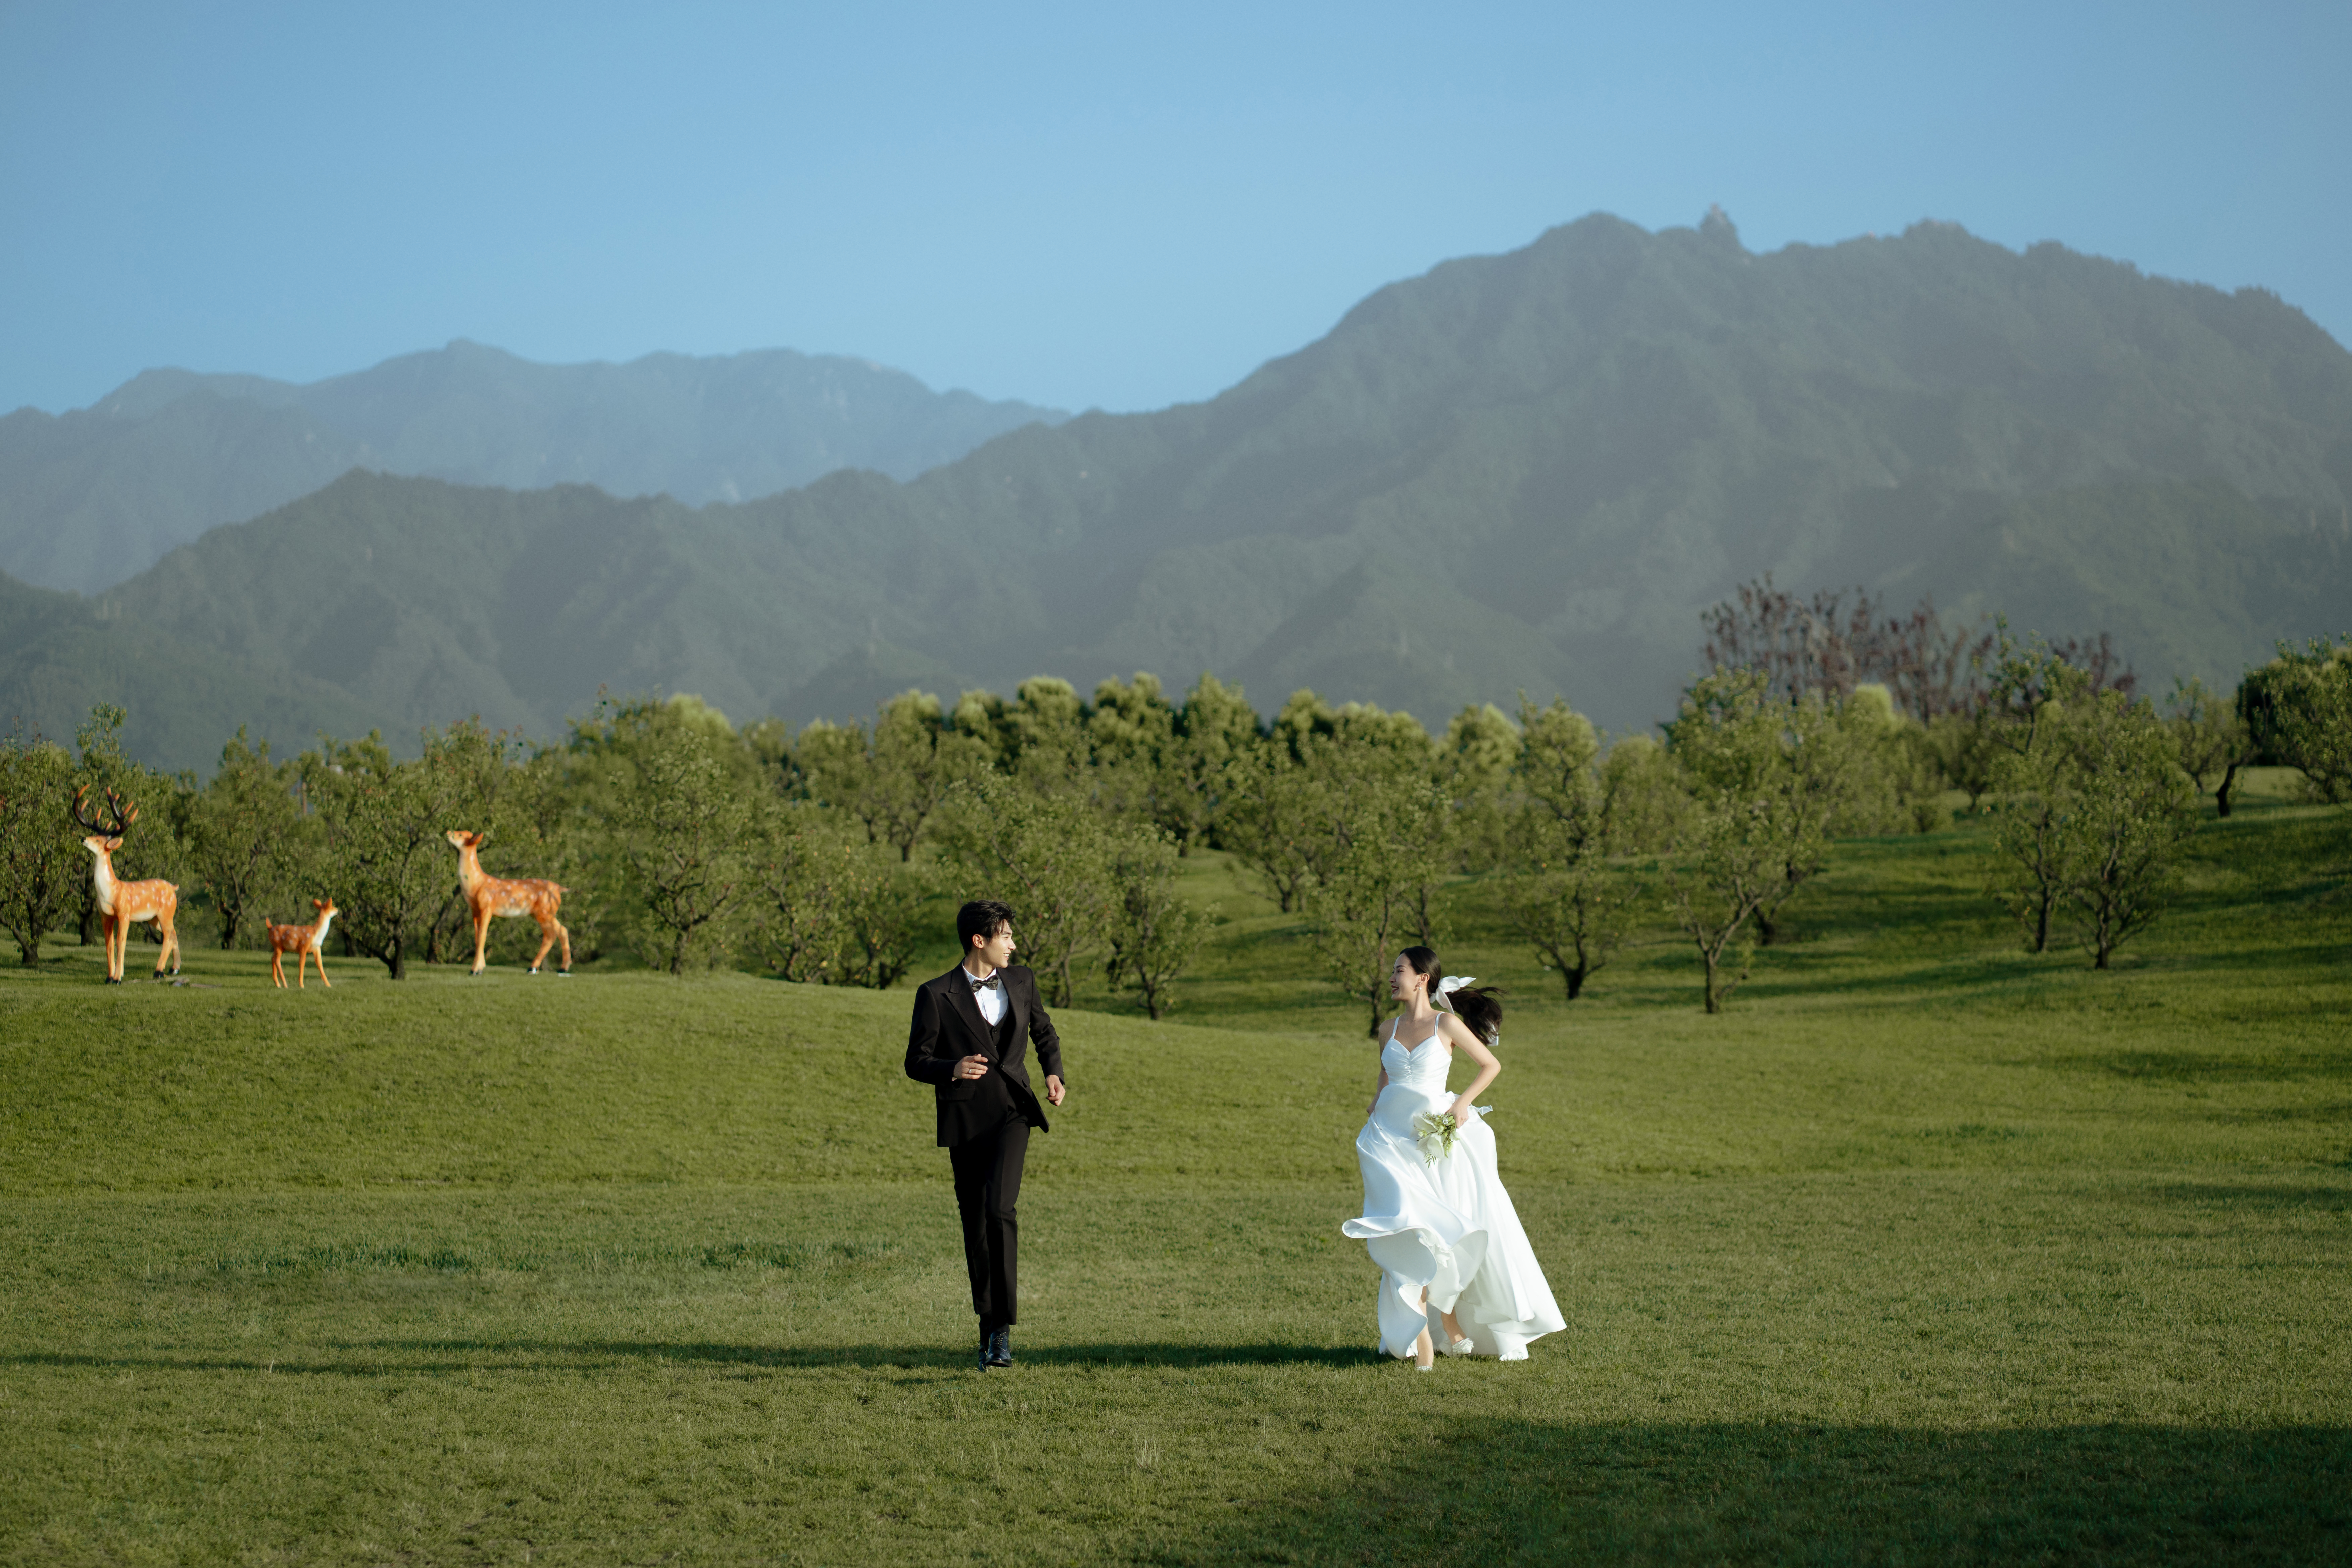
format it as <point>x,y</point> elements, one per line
<point>949,1026</point>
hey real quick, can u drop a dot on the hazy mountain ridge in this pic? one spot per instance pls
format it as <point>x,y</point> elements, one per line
<point>1530,470</point>
<point>88,498</point>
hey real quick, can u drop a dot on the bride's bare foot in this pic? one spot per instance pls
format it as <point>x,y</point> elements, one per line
<point>1424,1353</point>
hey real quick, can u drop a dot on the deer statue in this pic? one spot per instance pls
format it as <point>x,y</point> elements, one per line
<point>487,895</point>
<point>121,905</point>
<point>305,943</point>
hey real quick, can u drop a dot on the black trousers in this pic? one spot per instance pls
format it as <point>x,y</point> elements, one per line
<point>987,1185</point>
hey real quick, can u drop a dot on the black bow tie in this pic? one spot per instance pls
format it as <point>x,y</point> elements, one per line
<point>997,980</point>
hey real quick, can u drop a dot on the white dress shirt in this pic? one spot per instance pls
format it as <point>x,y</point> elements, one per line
<point>990,999</point>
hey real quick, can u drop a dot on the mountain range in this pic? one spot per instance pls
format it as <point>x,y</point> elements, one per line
<point>1521,472</point>
<point>91,497</point>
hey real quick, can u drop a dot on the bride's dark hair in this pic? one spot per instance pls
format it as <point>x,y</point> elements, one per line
<point>1480,1006</point>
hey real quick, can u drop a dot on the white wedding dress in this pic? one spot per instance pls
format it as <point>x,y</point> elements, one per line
<point>1448,1227</point>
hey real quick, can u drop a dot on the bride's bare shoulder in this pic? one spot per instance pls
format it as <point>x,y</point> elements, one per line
<point>1455,1032</point>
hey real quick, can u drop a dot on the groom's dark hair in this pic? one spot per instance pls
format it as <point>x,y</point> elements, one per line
<point>981,918</point>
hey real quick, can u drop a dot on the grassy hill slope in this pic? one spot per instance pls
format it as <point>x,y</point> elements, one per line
<point>1926,1247</point>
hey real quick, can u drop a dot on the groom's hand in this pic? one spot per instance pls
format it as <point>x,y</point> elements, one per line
<point>1053,1088</point>
<point>971,1067</point>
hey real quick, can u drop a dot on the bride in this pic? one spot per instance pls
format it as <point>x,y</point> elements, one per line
<point>1452,1257</point>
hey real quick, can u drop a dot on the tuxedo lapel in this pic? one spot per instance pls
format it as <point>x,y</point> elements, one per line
<point>1016,1008</point>
<point>959,985</point>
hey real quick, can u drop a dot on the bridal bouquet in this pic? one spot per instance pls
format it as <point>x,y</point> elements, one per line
<point>1434,1133</point>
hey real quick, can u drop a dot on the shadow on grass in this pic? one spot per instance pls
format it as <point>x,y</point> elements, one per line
<point>2214,1066</point>
<point>1485,1490</point>
<point>2333,1196</point>
<point>392,1358</point>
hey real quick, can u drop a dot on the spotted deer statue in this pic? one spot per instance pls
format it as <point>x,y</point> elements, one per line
<point>306,943</point>
<point>487,896</point>
<point>121,905</point>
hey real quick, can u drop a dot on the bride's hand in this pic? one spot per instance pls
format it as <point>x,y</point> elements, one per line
<point>1462,1112</point>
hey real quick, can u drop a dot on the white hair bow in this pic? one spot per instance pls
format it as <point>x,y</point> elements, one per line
<point>1453,982</point>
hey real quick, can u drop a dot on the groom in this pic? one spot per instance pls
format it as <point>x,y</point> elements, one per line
<point>973,1026</point>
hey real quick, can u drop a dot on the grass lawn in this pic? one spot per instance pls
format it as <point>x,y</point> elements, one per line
<point>1927,1250</point>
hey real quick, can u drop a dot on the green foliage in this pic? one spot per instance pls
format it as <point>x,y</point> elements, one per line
<point>1475,758</point>
<point>1155,934</point>
<point>2096,805</point>
<point>895,783</point>
<point>1767,779</point>
<point>2212,739</point>
<point>1131,738</point>
<point>1647,808</point>
<point>43,865</point>
<point>1382,828</point>
<point>1567,895</point>
<point>1045,854</point>
<point>2128,813</point>
<point>385,854</point>
<point>680,821</point>
<point>1274,821</point>
<point>1217,734</point>
<point>2298,709</point>
<point>1965,747</point>
<point>249,838</point>
<point>833,909</point>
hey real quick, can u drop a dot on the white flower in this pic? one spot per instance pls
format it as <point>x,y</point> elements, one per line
<point>1433,1133</point>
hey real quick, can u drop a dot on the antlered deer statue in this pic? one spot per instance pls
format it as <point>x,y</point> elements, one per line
<point>487,896</point>
<point>306,943</point>
<point>121,905</point>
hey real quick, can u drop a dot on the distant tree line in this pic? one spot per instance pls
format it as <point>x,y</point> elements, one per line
<point>686,842</point>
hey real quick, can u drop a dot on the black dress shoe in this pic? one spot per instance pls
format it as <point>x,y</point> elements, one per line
<point>998,1350</point>
<point>987,1343</point>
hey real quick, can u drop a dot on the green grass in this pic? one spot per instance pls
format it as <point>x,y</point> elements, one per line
<point>1927,1250</point>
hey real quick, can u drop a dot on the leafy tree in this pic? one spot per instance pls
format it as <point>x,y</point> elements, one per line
<point>835,908</point>
<point>1276,822</point>
<point>1216,731</point>
<point>2212,738</point>
<point>883,925</point>
<point>1728,862</point>
<point>1044,853</point>
<point>1386,826</point>
<point>1132,734</point>
<point>1154,936</point>
<point>1767,777</point>
<point>43,865</point>
<point>384,826</point>
<point>2298,709</point>
<point>2126,809</point>
<point>1045,726</point>
<point>1736,742</point>
<point>247,835</point>
<point>2031,770</point>
<point>1643,796</point>
<point>681,827</point>
<point>1474,760</point>
<point>1965,747</point>
<point>1567,898</point>
<point>834,764</point>
<point>798,871</point>
<point>917,762</point>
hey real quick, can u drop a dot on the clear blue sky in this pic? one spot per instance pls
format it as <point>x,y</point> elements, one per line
<point>1091,205</point>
